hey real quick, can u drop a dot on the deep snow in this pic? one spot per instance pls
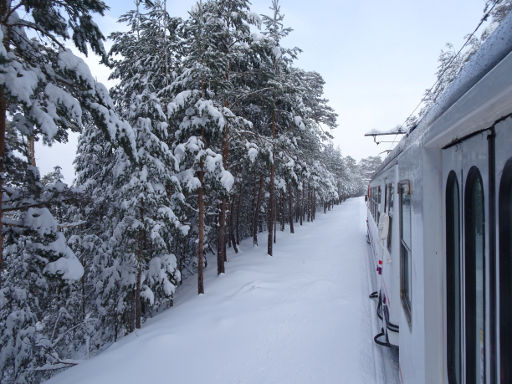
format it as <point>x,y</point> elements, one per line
<point>301,316</point>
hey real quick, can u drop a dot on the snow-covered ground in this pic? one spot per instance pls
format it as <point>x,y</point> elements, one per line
<point>302,316</point>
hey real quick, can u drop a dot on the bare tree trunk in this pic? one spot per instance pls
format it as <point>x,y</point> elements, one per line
<point>281,210</point>
<point>181,257</point>
<point>275,220</point>
<point>271,187</point>
<point>297,205</point>
<point>314,204</point>
<point>140,250</point>
<point>238,214</point>
<point>221,248</point>
<point>290,212</point>
<point>3,127</point>
<point>200,251</point>
<point>83,294</point>
<point>3,124</point>
<point>271,209</point>
<point>303,205</point>
<point>310,208</point>
<point>231,224</point>
<point>138,308</point>
<point>256,213</point>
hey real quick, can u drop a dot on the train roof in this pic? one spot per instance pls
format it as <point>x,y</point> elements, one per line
<point>495,49</point>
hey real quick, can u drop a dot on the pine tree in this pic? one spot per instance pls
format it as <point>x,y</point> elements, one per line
<point>279,60</point>
<point>148,191</point>
<point>46,92</point>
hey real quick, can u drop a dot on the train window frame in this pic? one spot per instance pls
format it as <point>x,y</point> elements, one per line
<point>505,268</point>
<point>405,252</point>
<point>470,278</point>
<point>390,204</point>
<point>454,318</point>
<point>386,198</point>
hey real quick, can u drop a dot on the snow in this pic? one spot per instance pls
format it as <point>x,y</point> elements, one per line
<point>67,267</point>
<point>301,316</point>
<point>227,180</point>
<point>69,62</point>
<point>19,82</point>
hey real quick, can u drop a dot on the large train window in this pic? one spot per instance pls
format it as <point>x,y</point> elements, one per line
<point>475,276</point>
<point>505,282</point>
<point>453,281</point>
<point>405,249</point>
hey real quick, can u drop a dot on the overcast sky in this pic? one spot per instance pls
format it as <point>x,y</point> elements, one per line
<point>377,58</point>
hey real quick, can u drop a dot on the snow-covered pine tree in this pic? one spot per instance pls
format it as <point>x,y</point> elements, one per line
<point>46,91</point>
<point>230,44</point>
<point>148,191</point>
<point>200,118</point>
<point>279,60</point>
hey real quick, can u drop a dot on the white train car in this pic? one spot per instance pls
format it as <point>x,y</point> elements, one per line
<point>440,227</point>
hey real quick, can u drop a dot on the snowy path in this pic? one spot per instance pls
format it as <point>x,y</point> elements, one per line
<point>302,316</point>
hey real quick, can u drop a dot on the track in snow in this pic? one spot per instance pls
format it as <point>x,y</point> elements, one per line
<point>302,316</point>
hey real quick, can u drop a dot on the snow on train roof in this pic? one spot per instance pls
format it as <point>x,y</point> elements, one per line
<point>492,51</point>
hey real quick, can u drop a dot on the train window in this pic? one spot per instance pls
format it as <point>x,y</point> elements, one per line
<point>405,249</point>
<point>505,279</point>
<point>378,203</point>
<point>453,281</point>
<point>474,276</point>
<point>390,213</point>
<point>375,203</point>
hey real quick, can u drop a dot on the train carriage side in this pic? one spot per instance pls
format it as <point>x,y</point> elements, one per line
<point>452,229</point>
<point>382,232</point>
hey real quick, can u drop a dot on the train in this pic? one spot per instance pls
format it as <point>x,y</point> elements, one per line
<point>440,229</point>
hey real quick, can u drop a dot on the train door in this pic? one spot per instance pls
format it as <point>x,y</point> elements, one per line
<point>503,177</point>
<point>466,192</point>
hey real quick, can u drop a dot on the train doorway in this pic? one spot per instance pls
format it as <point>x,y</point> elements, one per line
<point>466,228</point>
<point>503,176</point>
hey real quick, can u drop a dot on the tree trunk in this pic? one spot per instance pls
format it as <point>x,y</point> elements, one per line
<point>140,250</point>
<point>221,249</point>
<point>271,209</point>
<point>221,254</point>
<point>271,187</point>
<point>32,151</point>
<point>281,206</point>
<point>3,127</point>
<point>275,220</point>
<point>238,214</point>
<point>231,224</point>
<point>310,209</point>
<point>138,308</point>
<point>314,204</point>
<point>290,206</point>
<point>303,205</point>
<point>256,213</point>
<point>297,205</point>
<point>200,252</point>
<point>3,124</point>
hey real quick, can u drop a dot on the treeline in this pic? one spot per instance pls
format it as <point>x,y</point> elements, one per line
<point>211,135</point>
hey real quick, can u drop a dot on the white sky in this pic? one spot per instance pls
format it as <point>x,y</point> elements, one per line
<point>377,58</point>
